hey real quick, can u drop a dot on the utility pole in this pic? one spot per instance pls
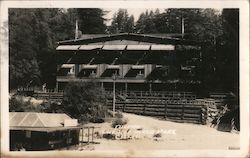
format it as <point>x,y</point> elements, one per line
<point>182,27</point>
<point>114,78</point>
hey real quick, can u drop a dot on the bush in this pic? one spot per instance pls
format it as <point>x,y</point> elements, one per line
<point>157,135</point>
<point>53,107</point>
<point>119,120</point>
<point>18,104</point>
<point>118,115</point>
<point>85,101</point>
<point>109,136</point>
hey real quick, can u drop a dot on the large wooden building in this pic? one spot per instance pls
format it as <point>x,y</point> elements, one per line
<point>134,61</point>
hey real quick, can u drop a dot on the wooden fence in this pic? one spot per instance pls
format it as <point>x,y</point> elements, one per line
<point>181,111</point>
<point>175,106</point>
<point>52,96</point>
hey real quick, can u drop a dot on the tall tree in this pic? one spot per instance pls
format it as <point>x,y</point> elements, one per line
<point>23,67</point>
<point>228,51</point>
<point>33,37</point>
<point>91,20</point>
<point>145,23</point>
<point>130,25</point>
<point>122,22</point>
<point>201,24</point>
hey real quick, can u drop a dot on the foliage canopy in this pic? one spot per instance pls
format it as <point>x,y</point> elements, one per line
<point>85,101</point>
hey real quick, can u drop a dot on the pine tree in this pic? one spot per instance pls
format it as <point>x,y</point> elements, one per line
<point>91,20</point>
<point>122,22</point>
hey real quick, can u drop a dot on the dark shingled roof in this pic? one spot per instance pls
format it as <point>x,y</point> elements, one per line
<point>151,38</point>
<point>87,36</point>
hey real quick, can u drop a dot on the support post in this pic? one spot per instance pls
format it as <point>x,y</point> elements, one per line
<point>124,105</point>
<point>82,134</point>
<point>144,109</point>
<point>92,135</point>
<point>126,88</point>
<point>57,90</point>
<point>88,134</point>
<point>76,69</point>
<point>49,98</point>
<point>114,78</point>
<point>114,98</point>
<point>102,85</point>
<point>166,111</point>
<point>182,116</point>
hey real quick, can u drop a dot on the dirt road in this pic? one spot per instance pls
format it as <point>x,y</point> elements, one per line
<point>172,136</point>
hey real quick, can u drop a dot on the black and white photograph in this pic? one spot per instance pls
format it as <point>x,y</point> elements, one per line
<point>88,79</point>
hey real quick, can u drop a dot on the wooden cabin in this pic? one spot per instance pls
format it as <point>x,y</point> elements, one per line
<point>42,131</point>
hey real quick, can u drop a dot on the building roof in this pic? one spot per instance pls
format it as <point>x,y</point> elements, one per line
<point>36,120</point>
<point>128,48</point>
<point>150,38</point>
<point>87,36</point>
<point>45,129</point>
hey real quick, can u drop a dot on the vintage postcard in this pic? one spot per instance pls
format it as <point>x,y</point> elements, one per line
<point>124,78</point>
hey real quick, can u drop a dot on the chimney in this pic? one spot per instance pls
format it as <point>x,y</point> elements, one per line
<point>76,31</point>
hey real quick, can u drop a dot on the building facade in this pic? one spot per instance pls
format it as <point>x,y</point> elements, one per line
<point>133,61</point>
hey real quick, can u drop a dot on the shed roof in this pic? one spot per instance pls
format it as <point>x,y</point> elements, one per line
<point>33,119</point>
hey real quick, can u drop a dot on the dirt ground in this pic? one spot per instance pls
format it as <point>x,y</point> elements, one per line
<point>149,133</point>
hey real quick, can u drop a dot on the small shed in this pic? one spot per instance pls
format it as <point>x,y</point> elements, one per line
<point>42,131</point>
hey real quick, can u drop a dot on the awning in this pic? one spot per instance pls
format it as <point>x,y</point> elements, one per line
<point>187,67</point>
<point>90,47</point>
<point>187,47</point>
<point>138,47</point>
<point>113,67</point>
<point>114,47</point>
<point>158,66</point>
<point>162,47</point>
<point>89,66</point>
<point>68,47</point>
<point>68,66</point>
<point>138,66</point>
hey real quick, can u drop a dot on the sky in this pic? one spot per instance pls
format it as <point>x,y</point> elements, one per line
<point>131,11</point>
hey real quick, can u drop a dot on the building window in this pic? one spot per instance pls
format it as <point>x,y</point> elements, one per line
<point>72,70</point>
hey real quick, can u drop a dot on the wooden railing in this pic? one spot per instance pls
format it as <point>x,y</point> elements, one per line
<point>175,106</point>
<point>180,111</point>
<point>52,96</point>
<point>160,94</point>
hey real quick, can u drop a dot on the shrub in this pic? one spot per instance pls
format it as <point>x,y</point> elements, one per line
<point>18,104</point>
<point>119,120</point>
<point>52,107</point>
<point>108,136</point>
<point>85,101</point>
<point>118,115</point>
<point>157,135</point>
